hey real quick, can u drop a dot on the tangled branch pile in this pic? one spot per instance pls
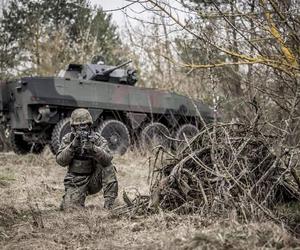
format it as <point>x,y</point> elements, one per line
<point>224,168</point>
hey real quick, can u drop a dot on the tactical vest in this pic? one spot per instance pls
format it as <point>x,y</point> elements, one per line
<point>81,165</point>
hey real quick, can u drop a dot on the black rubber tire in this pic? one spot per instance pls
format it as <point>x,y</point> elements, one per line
<point>59,131</point>
<point>22,147</point>
<point>155,134</point>
<point>116,134</point>
<point>187,131</point>
<point>5,144</point>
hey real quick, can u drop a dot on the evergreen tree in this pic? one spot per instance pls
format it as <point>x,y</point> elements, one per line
<point>39,37</point>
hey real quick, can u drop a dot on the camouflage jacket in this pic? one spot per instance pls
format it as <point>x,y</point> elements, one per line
<point>83,164</point>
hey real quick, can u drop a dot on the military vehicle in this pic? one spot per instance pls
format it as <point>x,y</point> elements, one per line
<point>37,109</point>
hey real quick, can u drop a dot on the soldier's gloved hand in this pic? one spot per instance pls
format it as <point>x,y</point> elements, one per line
<point>88,147</point>
<point>76,142</point>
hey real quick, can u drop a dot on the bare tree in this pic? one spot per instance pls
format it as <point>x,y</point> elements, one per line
<point>243,51</point>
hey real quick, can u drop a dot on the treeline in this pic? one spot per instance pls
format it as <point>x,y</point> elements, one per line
<point>223,52</point>
<point>42,37</point>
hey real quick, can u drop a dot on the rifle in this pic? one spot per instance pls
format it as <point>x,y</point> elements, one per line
<point>84,137</point>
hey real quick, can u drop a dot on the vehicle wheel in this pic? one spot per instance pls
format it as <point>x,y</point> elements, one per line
<point>185,132</point>
<point>4,140</point>
<point>155,134</point>
<point>116,134</point>
<point>59,131</point>
<point>21,147</point>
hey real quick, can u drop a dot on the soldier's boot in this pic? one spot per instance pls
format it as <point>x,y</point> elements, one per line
<point>109,203</point>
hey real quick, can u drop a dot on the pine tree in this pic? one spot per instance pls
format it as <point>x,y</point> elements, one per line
<point>39,37</point>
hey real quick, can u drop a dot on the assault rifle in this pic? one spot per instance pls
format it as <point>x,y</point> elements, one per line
<point>84,137</point>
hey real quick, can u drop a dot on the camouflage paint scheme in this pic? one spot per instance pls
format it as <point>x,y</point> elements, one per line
<point>87,173</point>
<point>35,104</point>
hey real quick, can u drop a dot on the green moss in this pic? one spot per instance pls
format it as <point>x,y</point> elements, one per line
<point>6,179</point>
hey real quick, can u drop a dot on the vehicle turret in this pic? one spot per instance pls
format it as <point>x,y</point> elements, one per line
<point>102,72</point>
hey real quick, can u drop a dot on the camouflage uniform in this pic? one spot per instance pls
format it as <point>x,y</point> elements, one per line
<point>87,173</point>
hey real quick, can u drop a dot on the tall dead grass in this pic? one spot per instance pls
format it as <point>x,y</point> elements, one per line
<point>30,218</point>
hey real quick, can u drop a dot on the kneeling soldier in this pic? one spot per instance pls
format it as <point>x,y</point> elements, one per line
<point>88,158</point>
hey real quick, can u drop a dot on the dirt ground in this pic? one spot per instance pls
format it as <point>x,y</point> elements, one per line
<point>31,188</point>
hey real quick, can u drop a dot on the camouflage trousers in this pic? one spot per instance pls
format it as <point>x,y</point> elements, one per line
<point>78,186</point>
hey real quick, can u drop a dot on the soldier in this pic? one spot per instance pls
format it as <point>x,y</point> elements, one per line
<point>88,158</point>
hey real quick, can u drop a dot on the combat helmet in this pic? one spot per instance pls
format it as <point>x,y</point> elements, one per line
<point>81,116</point>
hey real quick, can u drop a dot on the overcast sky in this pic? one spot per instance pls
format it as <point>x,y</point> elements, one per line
<point>135,10</point>
<point>118,15</point>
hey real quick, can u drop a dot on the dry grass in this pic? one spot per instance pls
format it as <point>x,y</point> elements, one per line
<point>31,189</point>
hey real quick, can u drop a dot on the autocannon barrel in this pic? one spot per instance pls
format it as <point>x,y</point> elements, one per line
<point>108,71</point>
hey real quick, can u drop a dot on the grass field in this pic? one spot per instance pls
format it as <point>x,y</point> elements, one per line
<point>31,188</point>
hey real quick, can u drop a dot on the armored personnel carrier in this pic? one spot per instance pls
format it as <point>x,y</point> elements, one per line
<point>37,109</point>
